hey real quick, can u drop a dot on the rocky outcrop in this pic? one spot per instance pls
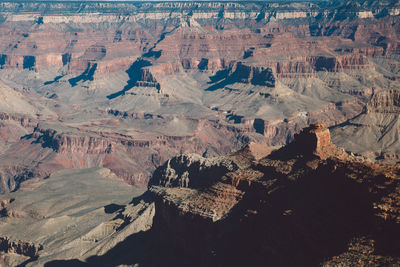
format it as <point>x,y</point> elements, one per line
<point>23,120</point>
<point>240,73</point>
<point>191,170</point>
<point>385,102</point>
<point>316,140</point>
<point>291,68</point>
<point>72,143</point>
<point>340,63</point>
<point>12,175</point>
<point>284,205</point>
<point>4,203</point>
<point>19,247</point>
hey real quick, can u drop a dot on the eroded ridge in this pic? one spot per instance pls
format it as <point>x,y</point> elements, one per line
<point>287,203</point>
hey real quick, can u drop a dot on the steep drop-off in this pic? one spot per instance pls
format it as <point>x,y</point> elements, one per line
<point>307,204</point>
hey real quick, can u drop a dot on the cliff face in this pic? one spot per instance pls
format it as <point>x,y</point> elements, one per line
<point>190,170</point>
<point>376,127</point>
<point>281,209</point>
<point>52,45</point>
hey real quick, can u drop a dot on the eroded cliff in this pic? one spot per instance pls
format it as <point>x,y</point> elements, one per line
<point>308,203</point>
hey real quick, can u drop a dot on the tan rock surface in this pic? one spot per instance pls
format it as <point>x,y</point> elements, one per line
<point>72,214</point>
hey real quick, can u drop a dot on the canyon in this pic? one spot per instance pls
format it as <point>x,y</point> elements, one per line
<point>185,106</point>
<point>310,200</point>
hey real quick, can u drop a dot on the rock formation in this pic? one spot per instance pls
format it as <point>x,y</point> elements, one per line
<point>373,133</point>
<point>191,170</point>
<point>282,209</point>
<point>19,247</point>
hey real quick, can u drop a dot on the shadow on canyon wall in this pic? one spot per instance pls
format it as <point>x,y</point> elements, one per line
<point>307,223</point>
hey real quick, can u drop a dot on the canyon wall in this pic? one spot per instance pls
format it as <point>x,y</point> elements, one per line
<point>283,204</point>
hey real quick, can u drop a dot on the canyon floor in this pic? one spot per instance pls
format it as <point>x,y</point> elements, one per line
<point>67,214</point>
<point>109,110</point>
